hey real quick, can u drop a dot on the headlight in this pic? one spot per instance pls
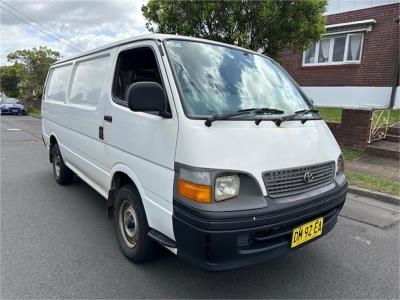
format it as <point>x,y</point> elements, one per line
<point>226,187</point>
<point>340,164</point>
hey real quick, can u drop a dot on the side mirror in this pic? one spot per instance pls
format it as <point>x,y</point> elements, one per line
<point>148,96</point>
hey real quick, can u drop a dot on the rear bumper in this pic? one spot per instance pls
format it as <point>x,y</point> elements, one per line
<point>223,241</point>
<point>13,111</point>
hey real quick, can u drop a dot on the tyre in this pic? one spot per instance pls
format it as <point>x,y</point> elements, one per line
<point>62,173</point>
<point>131,226</point>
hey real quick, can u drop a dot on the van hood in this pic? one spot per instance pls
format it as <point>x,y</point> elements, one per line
<point>244,146</point>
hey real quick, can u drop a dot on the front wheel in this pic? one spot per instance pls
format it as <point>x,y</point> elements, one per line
<point>131,226</point>
<point>62,173</point>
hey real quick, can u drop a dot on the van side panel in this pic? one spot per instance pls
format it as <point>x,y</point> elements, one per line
<point>138,144</point>
<point>76,121</point>
<point>158,209</point>
<point>147,152</point>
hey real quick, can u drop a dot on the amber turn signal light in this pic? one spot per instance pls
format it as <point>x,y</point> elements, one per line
<point>196,192</point>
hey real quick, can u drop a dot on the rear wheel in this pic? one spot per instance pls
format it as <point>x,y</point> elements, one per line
<point>131,226</point>
<point>62,173</point>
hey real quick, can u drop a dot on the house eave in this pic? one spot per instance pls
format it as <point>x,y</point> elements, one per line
<point>356,26</point>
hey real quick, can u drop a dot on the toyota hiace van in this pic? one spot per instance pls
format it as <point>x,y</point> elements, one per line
<point>209,150</point>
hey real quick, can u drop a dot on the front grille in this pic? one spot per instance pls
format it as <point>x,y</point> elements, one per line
<point>281,183</point>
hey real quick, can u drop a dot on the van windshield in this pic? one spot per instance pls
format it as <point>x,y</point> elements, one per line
<point>215,79</point>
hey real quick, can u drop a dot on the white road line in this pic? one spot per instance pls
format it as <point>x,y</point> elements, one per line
<point>357,238</point>
<point>13,129</point>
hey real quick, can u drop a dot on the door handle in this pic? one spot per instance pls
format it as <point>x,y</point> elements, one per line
<point>108,118</point>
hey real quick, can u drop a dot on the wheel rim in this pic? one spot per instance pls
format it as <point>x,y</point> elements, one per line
<point>57,164</point>
<point>128,224</point>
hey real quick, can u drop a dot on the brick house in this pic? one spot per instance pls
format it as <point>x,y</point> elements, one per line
<point>355,65</point>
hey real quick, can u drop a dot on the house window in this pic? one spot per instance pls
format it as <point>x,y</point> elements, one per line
<point>336,49</point>
<point>309,54</point>
<point>339,45</point>
<point>323,50</point>
<point>355,41</point>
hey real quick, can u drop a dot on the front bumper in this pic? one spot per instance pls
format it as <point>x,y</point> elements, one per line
<point>219,241</point>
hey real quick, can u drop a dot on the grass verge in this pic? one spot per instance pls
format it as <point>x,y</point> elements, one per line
<point>36,113</point>
<point>331,114</point>
<point>374,183</point>
<point>334,114</point>
<point>394,116</point>
<point>351,154</point>
<point>367,181</point>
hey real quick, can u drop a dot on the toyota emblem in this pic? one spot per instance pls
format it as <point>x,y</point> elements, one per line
<point>308,177</point>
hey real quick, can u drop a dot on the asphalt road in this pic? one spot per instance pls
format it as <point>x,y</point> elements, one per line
<point>57,242</point>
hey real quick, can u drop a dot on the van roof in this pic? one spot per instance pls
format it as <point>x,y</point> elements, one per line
<point>152,36</point>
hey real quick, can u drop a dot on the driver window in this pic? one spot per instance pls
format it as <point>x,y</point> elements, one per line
<point>134,65</point>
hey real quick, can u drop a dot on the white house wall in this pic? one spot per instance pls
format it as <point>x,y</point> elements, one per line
<point>357,97</point>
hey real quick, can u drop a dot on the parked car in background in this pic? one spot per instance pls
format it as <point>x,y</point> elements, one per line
<point>11,106</point>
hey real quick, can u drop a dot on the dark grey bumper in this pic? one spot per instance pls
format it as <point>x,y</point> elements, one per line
<point>218,241</point>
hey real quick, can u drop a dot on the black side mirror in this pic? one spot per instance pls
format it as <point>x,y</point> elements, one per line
<point>148,96</point>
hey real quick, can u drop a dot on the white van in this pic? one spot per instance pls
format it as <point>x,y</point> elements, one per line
<point>207,149</point>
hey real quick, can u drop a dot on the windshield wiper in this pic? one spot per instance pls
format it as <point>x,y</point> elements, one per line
<point>256,111</point>
<point>263,110</point>
<point>299,113</point>
<point>224,116</point>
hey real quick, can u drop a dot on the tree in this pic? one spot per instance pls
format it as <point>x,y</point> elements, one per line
<point>265,26</point>
<point>9,80</point>
<point>34,64</point>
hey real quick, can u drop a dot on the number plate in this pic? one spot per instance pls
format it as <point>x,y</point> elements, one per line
<point>307,232</point>
<point>14,110</point>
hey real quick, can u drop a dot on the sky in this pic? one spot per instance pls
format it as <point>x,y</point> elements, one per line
<point>87,24</point>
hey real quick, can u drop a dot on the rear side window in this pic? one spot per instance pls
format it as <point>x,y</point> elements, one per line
<point>58,82</point>
<point>88,81</point>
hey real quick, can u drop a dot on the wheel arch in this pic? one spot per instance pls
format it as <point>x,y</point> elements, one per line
<point>53,141</point>
<point>121,175</point>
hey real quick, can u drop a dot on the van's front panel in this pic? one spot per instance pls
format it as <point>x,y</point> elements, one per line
<point>244,146</point>
<point>254,161</point>
<point>273,199</point>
